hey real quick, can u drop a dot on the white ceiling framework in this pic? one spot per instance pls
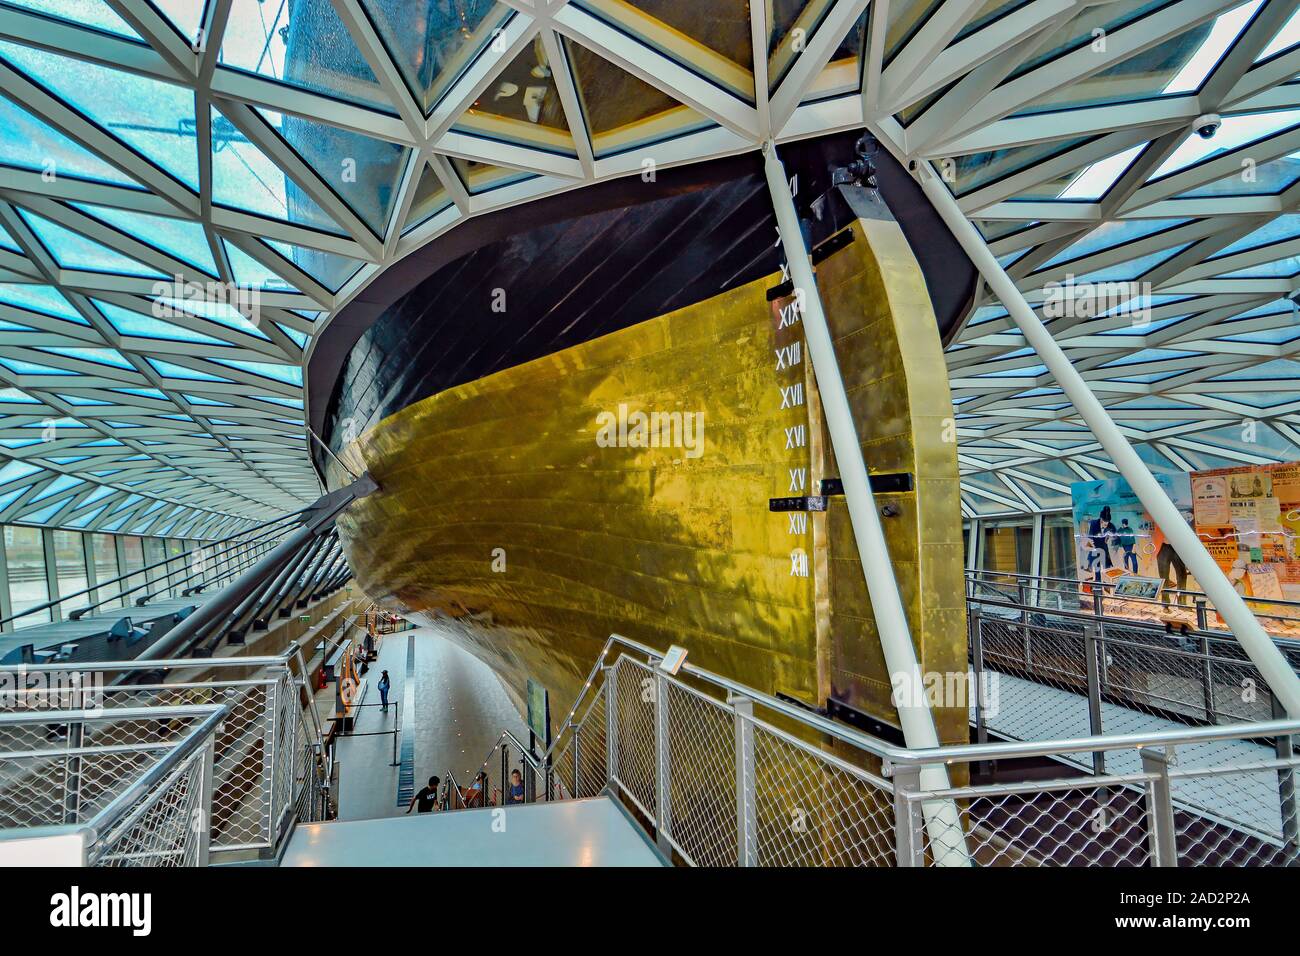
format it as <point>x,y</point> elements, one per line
<point>298,147</point>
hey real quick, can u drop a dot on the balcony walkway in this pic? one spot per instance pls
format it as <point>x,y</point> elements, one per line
<point>1030,711</point>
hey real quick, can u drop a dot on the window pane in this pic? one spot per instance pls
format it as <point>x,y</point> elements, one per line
<point>27,585</point>
<point>175,569</point>
<point>153,554</point>
<point>104,554</point>
<point>1008,545</point>
<point>133,549</point>
<point>70,561</point>
<point>1060,560</point>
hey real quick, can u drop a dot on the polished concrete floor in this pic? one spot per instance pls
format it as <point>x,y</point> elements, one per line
<point>593,832</point>
<point>457,710</point>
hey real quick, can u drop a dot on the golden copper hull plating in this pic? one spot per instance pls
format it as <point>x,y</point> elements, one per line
<point>523,511</point>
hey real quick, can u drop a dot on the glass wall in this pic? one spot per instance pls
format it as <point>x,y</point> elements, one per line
<point>70,563</point>
<point>1007,545</point>
<point>154,553</point>
<point>176,570</point>
<point>28,587</point>
<point>1060,559</point>
<point>104,554</point>
<point>80,558</point>
<point>133,552</point>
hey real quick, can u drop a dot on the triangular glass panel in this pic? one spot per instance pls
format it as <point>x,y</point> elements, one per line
<point>179,238</point>
<point>430,198</point>
<point>311,49</point>
<point>1235,131</point>
<point>521,106</point>
<point>185,15</point>
<point>110,357</point>
<point>1173,65</point>
<point>252,274</point>
<point>712,40</point>
<point>172,370</point>
<point>792,24</point>
<point>1286,38</point>
<point>89,13</point>
<point>30,143</point>
<point>1266,179</point>
<point>623,112</point>
<point>1108,236</point>
<point>433,43</point>
<point>156,119</point>
<point>291,374</point>
<point>299,338</point>
<point>244,177</point>
<point>329,269</point>
<point>7,241</point>
<point>128,322</point>
<point>363,171</point>
<point>45,299</point>
<point>484,177</point>
<point>74,251</point>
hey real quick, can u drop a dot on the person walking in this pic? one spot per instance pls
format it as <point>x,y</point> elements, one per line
<point>427,797</point>
<point>384,684</point>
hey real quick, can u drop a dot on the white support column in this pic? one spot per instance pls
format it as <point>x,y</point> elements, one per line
<point>947,841</point>
<point>1259,647</point>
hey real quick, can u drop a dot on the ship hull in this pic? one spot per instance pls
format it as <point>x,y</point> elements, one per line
<point>628,485</point>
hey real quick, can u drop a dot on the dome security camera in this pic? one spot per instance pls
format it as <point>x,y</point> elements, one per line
<point>1207,125</point>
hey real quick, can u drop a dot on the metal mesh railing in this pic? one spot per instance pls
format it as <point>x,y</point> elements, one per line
<point>1057,675</point>
<point>718,786</point>
<point>135,783</point>
<point>814,811</point>
<point>1054,823</point>
<point>269,760</point>
<point>165,828</point>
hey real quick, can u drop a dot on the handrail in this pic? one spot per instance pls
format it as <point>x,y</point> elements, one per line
<point>121,805</point>
<point>291,653</point>
<point>183,749</point>
<point>972,573</point>
<point>952,753</point>
<point>535,763</point>
<point>143,569</point>
<point>1226,637</point>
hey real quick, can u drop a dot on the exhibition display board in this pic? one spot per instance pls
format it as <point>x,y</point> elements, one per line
<point>1247,516</point>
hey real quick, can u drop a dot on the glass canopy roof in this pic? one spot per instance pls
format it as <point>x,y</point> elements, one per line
<point>190,190</point>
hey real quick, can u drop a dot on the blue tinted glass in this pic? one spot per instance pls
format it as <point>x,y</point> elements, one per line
<point>91,13</point>
<point>74,251</point>
<point>243,177</point>
<point>179,238</point>
<point>281,373</point>
<point>311,49</point>
<point>155,118</point>
<point>128,322</point>
<point>363,171</point>
<point>249,272</point>
<point>39,298</point>
<point>327,268</point>
<point>28,143</point>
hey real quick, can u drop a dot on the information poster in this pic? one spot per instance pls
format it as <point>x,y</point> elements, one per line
<point>1116,537</point>
<point>1250,522</point>
<point>1248,518</point>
